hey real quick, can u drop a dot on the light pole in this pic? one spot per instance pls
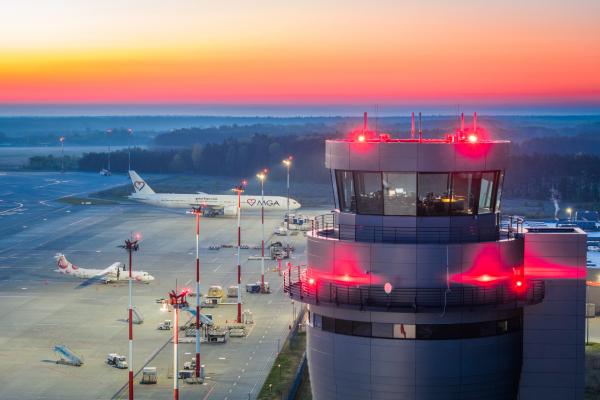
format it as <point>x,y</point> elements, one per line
<point>261,177</point>
<point>62,153</point>
<point>131,245</point>
<point>129,133</point>
<point>177,301</point>
<point>197,211</point>
<point>108,133</point>
<point>239,189</point>
<point>570,212</point>
<point>288,163</point>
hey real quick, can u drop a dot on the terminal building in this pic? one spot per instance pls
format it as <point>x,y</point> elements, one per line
<point>417,289</point>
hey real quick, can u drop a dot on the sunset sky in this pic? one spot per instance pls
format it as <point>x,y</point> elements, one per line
<point>326,52</point>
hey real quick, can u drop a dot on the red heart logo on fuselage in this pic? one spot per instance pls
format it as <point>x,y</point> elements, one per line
<point>251,202</point>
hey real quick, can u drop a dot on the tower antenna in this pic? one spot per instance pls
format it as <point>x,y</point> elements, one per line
<point>376,117</point>
<point>420,128</point>
<point>412,126</point>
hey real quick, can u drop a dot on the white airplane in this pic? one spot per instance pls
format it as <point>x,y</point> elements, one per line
<point>113,273</point>
<point>213,204</point>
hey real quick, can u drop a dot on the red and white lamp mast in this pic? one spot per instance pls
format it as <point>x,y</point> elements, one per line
<point>131,245</point>
<point>239,189</point>
<point>261,177</point>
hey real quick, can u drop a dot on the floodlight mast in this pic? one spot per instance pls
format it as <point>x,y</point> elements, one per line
<point>177,301</point>
<point>197,212</point>
<point>108,134</point>
<point>261,177</point>
<point>129,134</point>
<point>131,245</point>
<point>62,153</point>
<point>239,189</point>
<point>288,163</point>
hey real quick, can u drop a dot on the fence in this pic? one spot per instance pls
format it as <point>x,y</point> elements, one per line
<point>326,226</point>
<point>301,286</point>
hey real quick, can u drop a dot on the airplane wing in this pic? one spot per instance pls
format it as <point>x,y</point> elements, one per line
<point>90,281</point>
<point>102,276</point>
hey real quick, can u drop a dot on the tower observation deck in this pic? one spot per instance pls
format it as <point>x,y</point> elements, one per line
<point>414,290</point>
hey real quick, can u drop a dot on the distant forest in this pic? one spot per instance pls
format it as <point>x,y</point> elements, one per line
<point>239,158</point>
<point>178,131</point>
<point>568,164</point>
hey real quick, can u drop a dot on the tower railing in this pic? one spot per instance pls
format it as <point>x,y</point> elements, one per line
<point>326,226</point>
<point>302,286</point>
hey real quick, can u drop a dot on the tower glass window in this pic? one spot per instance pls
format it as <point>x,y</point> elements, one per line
<point>486,193</point>
<point>500,181</point>
<point>400,193</point>
<point>465,193</point>
<point>433,194</point>
<point>418,193</point>
<point>369,192</point>
<point>345,186</point>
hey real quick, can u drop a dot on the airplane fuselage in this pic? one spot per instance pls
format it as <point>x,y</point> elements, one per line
<point>85,273</point>
<point>115,272</point>
<point>228,202</point>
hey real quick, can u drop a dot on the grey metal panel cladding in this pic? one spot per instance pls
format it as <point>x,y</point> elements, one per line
<point>363,156</point>
<point>338,152</point>
<point>398,156</point>
<point>381,369</point>
<point>346,218</point>
<point>427,156</point>
<point>553,334</point>
<point>471,157</point>
<point>435,157</point>
<point>368,220</point>
<point>497,157</point>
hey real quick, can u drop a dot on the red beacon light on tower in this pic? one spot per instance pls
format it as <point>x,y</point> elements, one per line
<point>518,281</point>
<point>362,135</point>
<point>463,134</point>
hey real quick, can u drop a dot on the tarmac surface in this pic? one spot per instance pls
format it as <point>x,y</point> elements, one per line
<point>41,308</point>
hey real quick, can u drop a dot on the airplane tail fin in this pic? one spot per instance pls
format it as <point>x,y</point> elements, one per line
<point>139,185</point>
<point>63,264</point>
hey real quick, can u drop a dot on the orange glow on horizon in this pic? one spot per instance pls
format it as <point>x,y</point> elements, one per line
<point>145,52</point>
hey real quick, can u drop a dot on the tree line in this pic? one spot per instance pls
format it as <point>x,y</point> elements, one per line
<point>232,157</point>
<point>529,176</point>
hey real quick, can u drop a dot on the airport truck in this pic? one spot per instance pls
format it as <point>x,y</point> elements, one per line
<point>165,325</point>
<point>255,287</point>
<point>117,361</point>
<point>213,296</point>
<point>189,367</point>
<point>149,375</point>
<point>232,291</point>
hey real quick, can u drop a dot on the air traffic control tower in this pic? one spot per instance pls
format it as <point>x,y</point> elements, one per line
<point>417,289</point>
